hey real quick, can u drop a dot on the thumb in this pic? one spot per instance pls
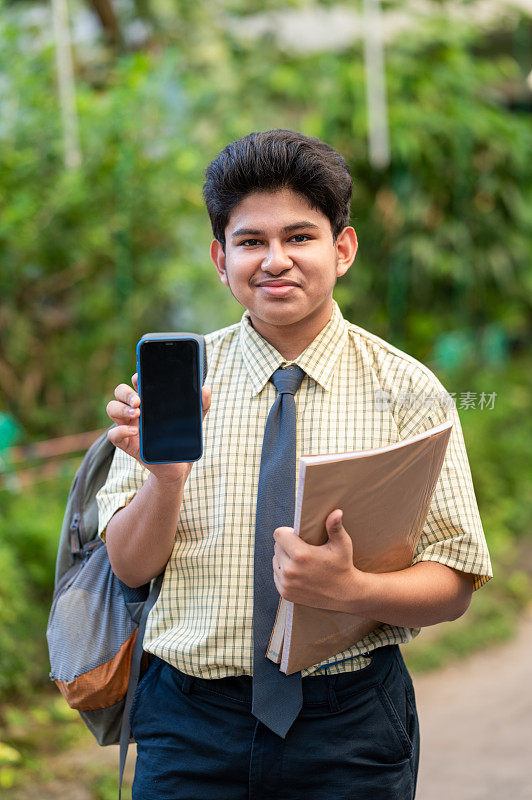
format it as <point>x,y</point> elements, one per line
<point>339,538</point>
<point>334,522</point>
<point>205,399</point>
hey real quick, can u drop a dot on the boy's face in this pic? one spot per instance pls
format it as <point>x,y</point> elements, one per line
<point>277,238</point>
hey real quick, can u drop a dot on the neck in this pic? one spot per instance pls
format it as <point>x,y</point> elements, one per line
<point>291,340</point>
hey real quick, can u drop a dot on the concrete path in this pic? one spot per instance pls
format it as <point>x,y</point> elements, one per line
<point>476,725</point>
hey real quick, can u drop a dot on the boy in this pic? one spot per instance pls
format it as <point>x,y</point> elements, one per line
<point>212,717</point>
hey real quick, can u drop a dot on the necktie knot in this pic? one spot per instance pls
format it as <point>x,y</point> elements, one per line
<point>288,381</point>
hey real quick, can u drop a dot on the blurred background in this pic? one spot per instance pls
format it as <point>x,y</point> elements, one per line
<point>110,110</point>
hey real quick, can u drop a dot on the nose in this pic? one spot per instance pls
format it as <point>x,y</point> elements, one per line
<point>276,259</point>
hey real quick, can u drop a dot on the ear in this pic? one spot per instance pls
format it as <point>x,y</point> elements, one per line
<point>218,259</point>
<point>346,248</point>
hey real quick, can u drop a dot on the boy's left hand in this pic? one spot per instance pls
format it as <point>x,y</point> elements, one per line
<point>322,576</point>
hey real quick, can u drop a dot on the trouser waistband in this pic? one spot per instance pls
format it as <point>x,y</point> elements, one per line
<point>317,689</point>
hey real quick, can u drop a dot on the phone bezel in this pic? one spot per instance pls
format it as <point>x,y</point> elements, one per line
<point>158,337</point>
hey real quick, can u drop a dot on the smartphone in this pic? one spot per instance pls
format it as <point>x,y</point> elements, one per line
<point>169,367</point>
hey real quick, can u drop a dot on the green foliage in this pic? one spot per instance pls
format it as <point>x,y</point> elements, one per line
<point>29,533</point>
<point>34,734</point>
<point>104,252</point>
<point>492,619</point>
<point>498,446</point>
<point>497,441</point>
<point>92,257</point>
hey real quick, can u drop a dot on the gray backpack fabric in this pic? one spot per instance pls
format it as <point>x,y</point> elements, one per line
<point>96,623</point>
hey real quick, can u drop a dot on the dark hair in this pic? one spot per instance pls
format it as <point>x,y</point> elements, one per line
<point>273,160</point>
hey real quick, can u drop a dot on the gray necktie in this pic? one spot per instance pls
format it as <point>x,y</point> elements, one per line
<point>277,698</point>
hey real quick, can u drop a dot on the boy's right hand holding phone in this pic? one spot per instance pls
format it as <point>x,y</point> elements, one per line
<point>140,536</point>
<point>125,411</point>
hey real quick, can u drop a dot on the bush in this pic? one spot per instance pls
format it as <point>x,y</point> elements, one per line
<point>29,535</point>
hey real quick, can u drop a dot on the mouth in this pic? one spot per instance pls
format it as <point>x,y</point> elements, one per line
<point>278,289</point>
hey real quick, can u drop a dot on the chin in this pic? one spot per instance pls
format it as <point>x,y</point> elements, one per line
<point>282,316</point>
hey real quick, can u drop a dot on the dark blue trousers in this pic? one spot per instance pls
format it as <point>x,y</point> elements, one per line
<point>356,737</point>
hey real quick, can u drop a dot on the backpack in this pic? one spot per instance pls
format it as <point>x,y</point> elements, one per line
<point>96,624</point>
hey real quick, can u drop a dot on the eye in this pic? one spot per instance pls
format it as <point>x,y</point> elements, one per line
<point>300,236</point>
<point>250,242</point>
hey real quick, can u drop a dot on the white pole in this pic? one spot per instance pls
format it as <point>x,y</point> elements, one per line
<point>65,80</point>
<point>376,103</point>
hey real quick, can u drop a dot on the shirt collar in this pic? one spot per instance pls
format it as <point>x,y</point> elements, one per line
<point>318,359</point>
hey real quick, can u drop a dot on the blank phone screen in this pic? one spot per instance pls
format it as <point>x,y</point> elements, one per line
<point>170,400</point>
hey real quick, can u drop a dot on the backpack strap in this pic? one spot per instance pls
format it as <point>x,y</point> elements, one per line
<point>136,658</point>
<point>134,672</point>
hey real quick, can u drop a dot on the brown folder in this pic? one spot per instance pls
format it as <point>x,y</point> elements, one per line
<point>385,495</point>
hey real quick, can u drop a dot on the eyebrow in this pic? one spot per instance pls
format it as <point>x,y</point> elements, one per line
<point>287,229</point>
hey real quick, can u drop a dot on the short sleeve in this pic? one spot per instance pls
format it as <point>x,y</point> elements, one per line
<point>125,478</point>
<point>453,534</point>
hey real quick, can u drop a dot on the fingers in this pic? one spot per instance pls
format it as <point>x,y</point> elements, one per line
<point>122,435</point>
<point>121,412</point>
<point>126,408</point>
<point>125,412</point>
<point>126,394</point>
